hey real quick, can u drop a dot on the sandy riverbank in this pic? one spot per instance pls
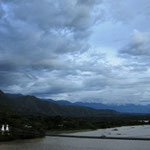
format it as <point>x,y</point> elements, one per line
<point>128,131</point>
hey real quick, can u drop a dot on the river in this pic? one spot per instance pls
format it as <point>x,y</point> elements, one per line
<point>60,143</point>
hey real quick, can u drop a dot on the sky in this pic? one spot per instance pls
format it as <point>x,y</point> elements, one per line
<point>76,50</point>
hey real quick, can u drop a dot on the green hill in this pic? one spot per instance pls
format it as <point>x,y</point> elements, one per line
<point>33,105</point>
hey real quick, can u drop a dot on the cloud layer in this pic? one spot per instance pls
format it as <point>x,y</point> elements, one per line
<point>79,50</point>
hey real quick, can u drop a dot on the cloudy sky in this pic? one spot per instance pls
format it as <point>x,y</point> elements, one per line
<point>76,50</point>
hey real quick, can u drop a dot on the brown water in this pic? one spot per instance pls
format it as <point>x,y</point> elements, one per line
<point>56,143</point>
<point>60,143</point>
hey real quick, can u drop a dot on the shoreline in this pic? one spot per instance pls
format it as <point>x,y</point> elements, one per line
<point>57,132</point>
<point>101,137</point>
<point>123,132</point>
<point>89,130</point>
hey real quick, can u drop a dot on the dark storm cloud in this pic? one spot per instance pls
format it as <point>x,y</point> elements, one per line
<point>6,66</point>
<point>6,79</point>
<point>44,29</point>
<point>36,37</point>
<point>139,44</point>
<point>55,14</point>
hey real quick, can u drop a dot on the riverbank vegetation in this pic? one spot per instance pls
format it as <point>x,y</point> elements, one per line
<point>32,126</point>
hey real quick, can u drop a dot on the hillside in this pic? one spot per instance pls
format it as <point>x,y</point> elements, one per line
<point>33,105</point>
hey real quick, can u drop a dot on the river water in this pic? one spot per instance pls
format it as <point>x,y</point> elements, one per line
<point>60,143</point>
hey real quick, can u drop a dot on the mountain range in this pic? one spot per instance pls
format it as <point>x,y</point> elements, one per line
<point>33,105</point>
<point>63,104</point>
<point>124,108</point>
